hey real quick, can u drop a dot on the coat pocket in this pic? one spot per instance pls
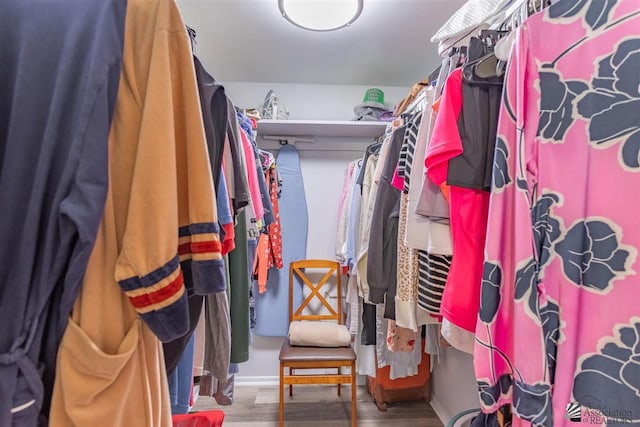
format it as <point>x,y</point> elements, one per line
<point>88,375</point>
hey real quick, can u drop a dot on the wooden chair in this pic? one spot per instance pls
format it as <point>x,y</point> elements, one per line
<point>295,357</point>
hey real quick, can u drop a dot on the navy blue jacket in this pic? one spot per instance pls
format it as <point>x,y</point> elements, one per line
<point>58,85</point>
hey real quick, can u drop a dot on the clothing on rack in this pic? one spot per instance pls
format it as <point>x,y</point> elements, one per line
<point>343,214</point>
<point>407,315</point>
<point>133,292</point>
<point>382,251</point>
<point>53,180</point>
<point>213,102</point>
<point>235,162</point>
<point>180,380</point>
<point>563,235</point>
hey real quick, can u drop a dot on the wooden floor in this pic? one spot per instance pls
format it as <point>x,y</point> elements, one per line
<point>316,406</point>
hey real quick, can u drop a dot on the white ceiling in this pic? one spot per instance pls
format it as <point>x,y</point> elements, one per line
<point>248,40</point>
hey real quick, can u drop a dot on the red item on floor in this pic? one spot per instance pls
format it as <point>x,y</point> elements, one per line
<point>199,419</point>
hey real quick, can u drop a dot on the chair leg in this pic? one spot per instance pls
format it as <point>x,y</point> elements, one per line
<point>339,385</point>
<point>281,403</point>
<point>291,385</point>
<point>354,412</point>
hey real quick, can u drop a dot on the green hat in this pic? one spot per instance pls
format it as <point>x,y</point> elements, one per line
<point>373,97</point>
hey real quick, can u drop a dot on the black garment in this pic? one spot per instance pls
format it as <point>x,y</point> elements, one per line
<point>390,250</point>
<point>478,126</point>
<point>383,247</point>
<point>369,326</point>
<point>173,350</point>
<point>59,81</point>
<point>371,149</point>
<point>241,187</point>
<point>214,113</point>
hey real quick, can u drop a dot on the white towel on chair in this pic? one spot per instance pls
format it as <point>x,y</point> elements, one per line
<point>318,334</point>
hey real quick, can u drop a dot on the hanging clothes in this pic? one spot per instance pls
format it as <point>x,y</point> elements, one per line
<point>225,215</point>
<point>264,217</point>
<point>559,319</point>
<point>239,292</point>
<point>252,177</point>
<point>352,237</point>
<point>213,102</point>
<point>269,250</point>
<point>180,380</point>
<point>401,363</point>
<point>429,235</point>
<point>53,180</point>
<point>382,253</point>
<point>407,261</point>
<point>343,215</point>
<point>217,380</point>
<point>158,233</point>
<point>235,163</point>
<point>369,191</point>
<point>469,210</point>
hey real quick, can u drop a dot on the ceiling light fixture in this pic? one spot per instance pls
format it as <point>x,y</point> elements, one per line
<point>321,15</point>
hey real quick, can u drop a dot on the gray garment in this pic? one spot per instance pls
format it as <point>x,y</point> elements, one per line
<point>390,252</point>
<point>432,203</point>
<point>241,185</point>
<point>445,70</point>
<point>221,391</point>
<point>371,149</point>
<point>432,342</point>
<point>383,237</point>
<point>217,351</point>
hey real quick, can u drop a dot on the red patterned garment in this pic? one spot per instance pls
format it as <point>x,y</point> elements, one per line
<point>269,250</point>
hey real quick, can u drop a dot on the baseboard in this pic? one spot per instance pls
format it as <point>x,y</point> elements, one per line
<point>440,411</point>
<point>256,381</point>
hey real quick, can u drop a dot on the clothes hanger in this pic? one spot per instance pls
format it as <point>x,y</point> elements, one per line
<point>418,103</point>
<point>433,77</point>
<point>504,45</point>
<point>486,69</point>
<point>192,36</point>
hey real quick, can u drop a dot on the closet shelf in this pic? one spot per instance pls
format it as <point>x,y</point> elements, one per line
<point>319,128</point>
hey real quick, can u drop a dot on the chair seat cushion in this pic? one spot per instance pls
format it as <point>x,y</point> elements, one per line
<point>289,353</point>
<point>318,334</point>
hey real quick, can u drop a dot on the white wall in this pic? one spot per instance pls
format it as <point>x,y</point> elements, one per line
<point>453,384</point>
<point>310,101</point>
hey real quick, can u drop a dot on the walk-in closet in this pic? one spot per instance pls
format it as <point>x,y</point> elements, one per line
<point>319,213</point>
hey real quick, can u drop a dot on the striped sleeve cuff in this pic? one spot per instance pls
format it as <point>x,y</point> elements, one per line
<point>161,300</point>
<point>201,258</point>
